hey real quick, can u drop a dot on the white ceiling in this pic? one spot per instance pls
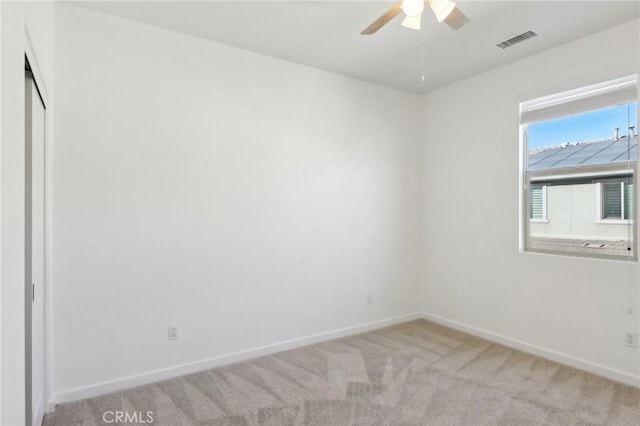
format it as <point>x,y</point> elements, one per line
<point>326,34</point>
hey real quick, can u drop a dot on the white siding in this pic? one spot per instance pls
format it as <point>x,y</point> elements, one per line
<point>572,212</point>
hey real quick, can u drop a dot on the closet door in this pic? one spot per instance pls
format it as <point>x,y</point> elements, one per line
<point>34,244</point>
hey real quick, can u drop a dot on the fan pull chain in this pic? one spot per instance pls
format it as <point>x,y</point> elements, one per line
<point>422,63</point>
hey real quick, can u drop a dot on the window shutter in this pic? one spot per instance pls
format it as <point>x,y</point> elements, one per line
<point>629,203</point>
<point>537,202</point>
<point>611,200</point>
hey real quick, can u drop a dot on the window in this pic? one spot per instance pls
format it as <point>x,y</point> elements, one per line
<point>617,200</point>
<point>538,204</point>
<point>579,151</point>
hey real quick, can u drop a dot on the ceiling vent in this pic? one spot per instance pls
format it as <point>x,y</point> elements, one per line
<point>516,39</point>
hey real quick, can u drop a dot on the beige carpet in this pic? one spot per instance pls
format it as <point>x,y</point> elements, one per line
<point>417,373</point>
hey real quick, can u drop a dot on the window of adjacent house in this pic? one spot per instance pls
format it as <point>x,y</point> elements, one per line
<point>537,205</point>
<point>617,200</point>
<point>580,152</point>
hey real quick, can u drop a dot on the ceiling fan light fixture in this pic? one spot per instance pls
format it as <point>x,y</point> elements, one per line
<point>442,8</point>
<point>412,22</point>
<point>412,8</point>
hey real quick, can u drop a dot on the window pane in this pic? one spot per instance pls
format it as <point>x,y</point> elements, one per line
<point>564,132</point>
<point>581,159</point>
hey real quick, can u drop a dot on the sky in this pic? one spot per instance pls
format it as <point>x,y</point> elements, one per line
<point>584,127</point>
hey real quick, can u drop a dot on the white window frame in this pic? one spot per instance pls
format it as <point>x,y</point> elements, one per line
<point>562,102</point>
<point>600,219</point>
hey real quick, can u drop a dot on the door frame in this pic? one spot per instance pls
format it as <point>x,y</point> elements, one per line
<point>31,71</point>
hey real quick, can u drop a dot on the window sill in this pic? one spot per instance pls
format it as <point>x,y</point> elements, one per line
<point>575,255</point>
<point>539,220</point>
<point>614,222</point>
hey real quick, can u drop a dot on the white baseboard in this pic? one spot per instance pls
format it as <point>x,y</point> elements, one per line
<point>205,364</point>
<point>39,413</point>
<point>581,364</point>
<point>188,368</point>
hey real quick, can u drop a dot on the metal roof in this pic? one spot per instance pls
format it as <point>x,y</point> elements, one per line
<point>610,151</point>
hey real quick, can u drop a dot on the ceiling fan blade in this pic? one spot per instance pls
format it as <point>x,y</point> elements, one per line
<point>383,20</point>
<point>456,19</point>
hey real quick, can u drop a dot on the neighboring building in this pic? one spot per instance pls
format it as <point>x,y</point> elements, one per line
<point>587,196</point>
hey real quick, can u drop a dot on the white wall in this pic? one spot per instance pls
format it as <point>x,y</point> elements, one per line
<point>246,199</point>
<point>473,274</point>
<point>25,27</point>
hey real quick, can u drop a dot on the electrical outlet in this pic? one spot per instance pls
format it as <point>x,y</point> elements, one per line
<point>173,332</point>
<point>369,299</point>
<point>631,340</point>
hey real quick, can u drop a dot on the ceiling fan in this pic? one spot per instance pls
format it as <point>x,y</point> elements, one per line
<point>445,10</point>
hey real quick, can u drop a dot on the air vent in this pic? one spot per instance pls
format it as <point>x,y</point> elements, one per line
<point>516,39</point>
<point>594,245</point>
